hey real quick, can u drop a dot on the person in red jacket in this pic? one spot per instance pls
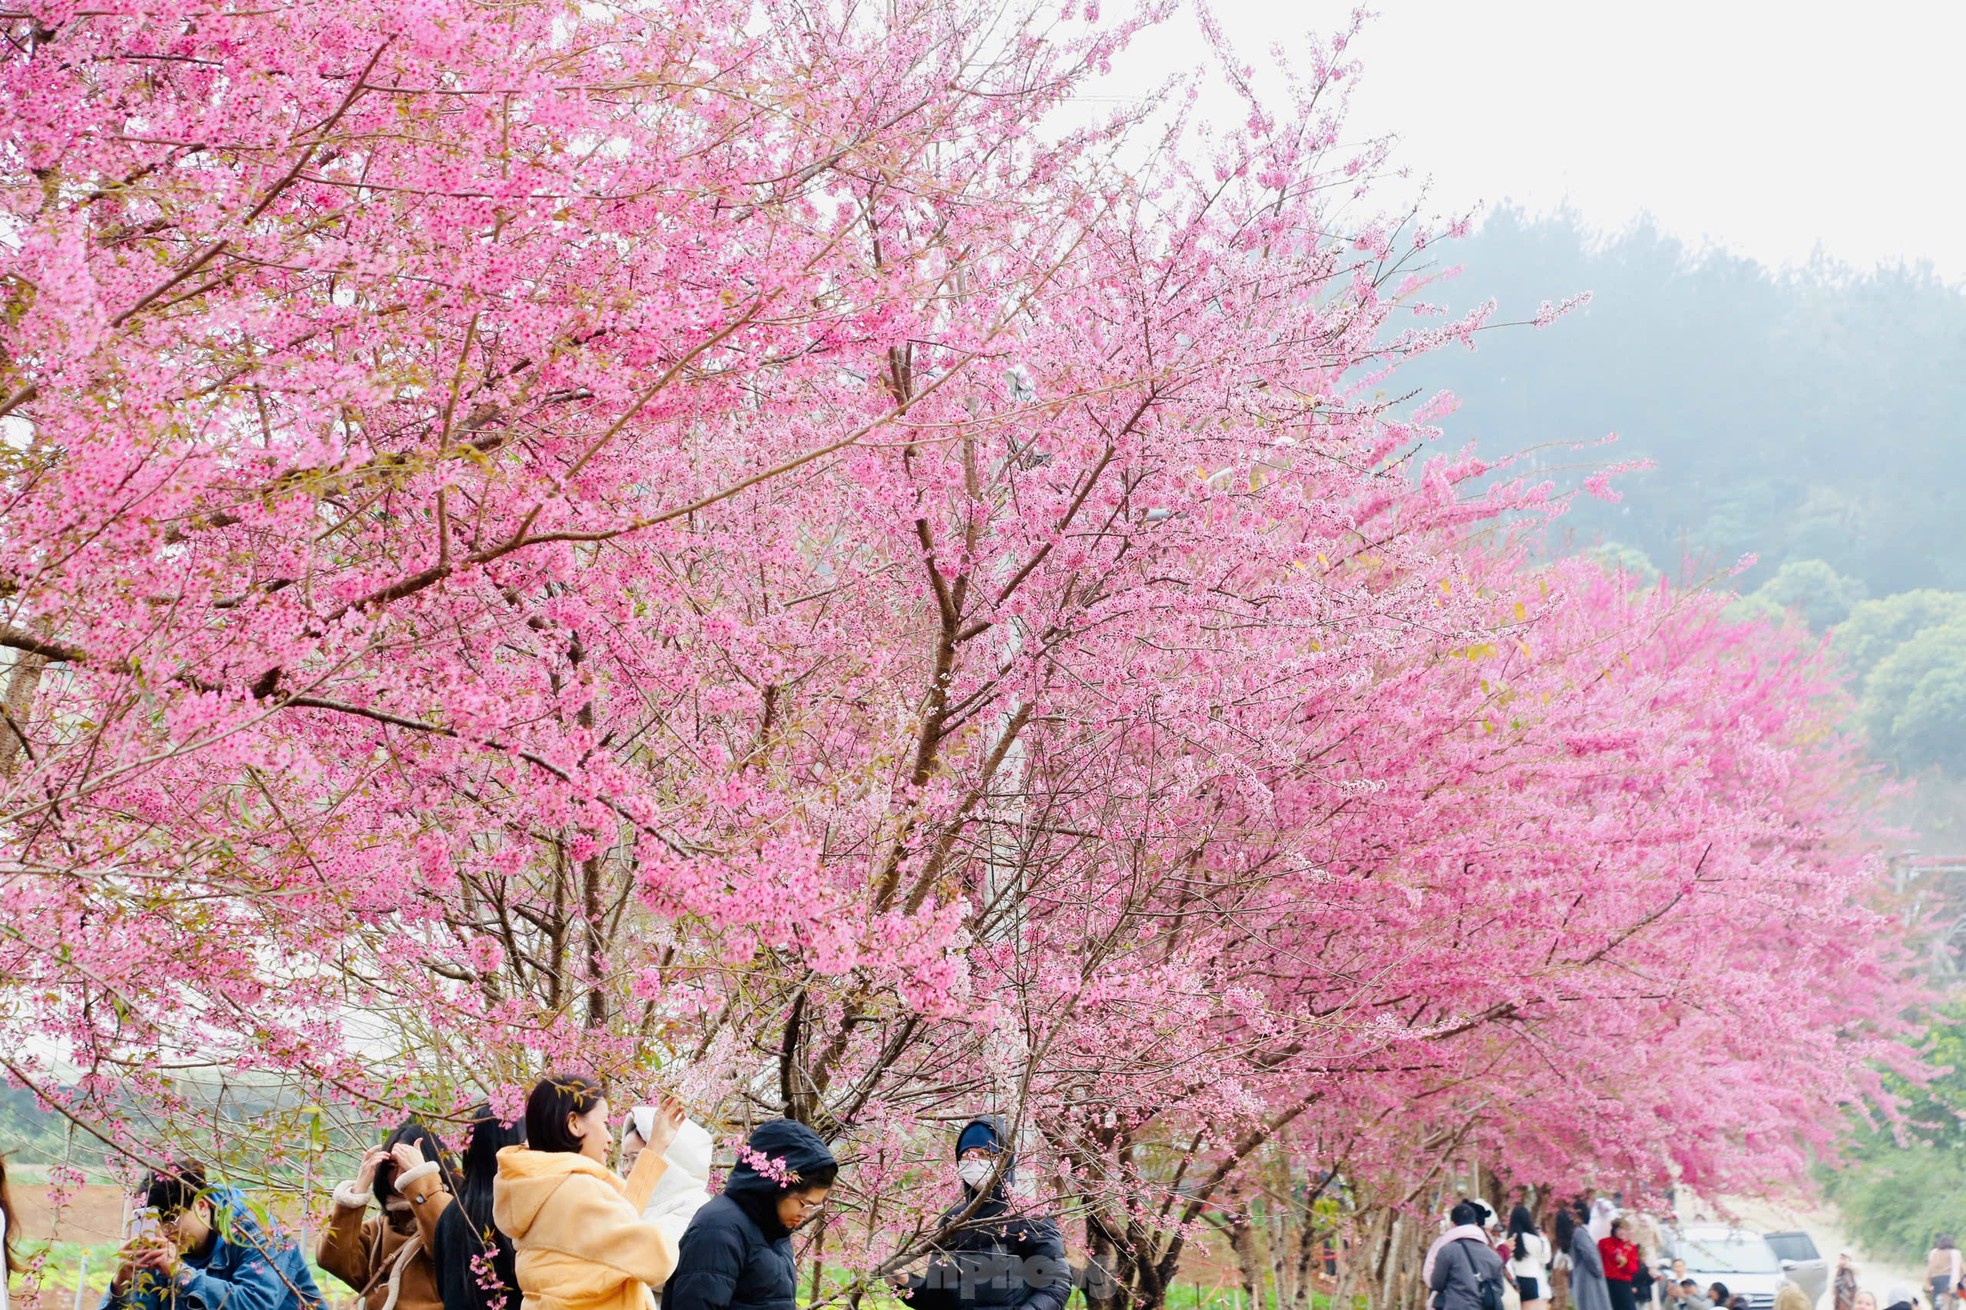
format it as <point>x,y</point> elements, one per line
<point>1621,1260</point>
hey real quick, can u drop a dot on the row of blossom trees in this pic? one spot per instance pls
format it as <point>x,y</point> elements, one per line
<point>755,548</point>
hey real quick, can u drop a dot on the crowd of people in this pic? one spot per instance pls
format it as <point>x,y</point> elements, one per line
<point>1476,1264</point>
<point>532,1215</point>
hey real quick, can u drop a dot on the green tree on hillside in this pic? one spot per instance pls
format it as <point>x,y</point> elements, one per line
<point>1814,590</point>
<point>1914,701</point>
<point>1875,628</point>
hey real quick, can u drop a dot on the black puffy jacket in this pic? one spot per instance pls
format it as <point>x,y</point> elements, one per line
<point>735,1255</point>
<point>998,1257</point>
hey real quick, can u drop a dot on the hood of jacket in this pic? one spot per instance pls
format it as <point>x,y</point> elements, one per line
<point>993,1130</point>
<point>689,1154</point>
<point>685,1187</point>
<point>527,1179</point>
<point>793,1150</point>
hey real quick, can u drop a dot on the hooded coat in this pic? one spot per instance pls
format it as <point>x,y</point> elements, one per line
<point>736,1255</point>
<point>246,1266</point>
<point>685,1188</point>
<point>992,1256</point>
<point>577,1230</point>
<point>387,1257</point>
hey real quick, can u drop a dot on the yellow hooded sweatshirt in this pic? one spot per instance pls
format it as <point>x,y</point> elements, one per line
<point>578,1230</point>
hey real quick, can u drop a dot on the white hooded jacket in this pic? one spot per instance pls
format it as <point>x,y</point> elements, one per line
<point>684,1187</point>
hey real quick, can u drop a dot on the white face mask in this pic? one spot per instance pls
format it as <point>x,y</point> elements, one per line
<point>975,1172</point>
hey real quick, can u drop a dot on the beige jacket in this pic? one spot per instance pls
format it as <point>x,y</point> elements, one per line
<point>578,1230</point>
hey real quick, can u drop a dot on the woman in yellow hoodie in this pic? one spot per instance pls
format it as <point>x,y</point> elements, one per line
<point>576,1226</point>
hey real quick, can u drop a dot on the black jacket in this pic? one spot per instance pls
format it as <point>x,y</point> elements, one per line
<point>999,1259</point>
<point>735,1255</point>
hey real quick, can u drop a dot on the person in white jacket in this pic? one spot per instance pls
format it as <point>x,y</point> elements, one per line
<point>684,1187</point>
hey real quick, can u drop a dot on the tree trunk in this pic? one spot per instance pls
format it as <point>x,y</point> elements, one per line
<point>1249,1257</point>
<point>1105,1287</point>
<point>22,679</point>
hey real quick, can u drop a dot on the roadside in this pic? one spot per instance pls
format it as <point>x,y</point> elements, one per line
<point>1823,1223</point>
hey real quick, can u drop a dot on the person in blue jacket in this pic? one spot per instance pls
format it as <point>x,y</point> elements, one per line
<point>993,1255</point>
<point>736,1253</point>
<point>205,1248</point>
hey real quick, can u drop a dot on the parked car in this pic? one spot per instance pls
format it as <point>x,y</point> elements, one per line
<point>1802,1262</point>
<point>1742,1259</point>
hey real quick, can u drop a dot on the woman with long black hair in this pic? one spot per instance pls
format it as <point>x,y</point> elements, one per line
<point>474,1259</point>
<point>1573,1235</point>
<point>1529,1259</point>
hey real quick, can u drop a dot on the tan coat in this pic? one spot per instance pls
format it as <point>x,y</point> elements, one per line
<point>388,1264</point>
<point>578,1230</point>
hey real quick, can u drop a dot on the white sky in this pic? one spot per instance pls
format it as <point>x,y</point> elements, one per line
<point>1770,128</point>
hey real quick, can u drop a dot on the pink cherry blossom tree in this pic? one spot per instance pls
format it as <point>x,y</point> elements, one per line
<point>743,555</point>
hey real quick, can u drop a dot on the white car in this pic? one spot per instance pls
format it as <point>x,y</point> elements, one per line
<point>1744,1261</point>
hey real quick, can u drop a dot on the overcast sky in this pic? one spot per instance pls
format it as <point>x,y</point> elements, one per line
<point>1769,128</point>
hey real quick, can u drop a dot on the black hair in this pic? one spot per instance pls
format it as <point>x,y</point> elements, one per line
<point>489,1136</point>
<point>1521,1221</point>
<point>416,1133</point>
<point>556,1097</point>
<point>1724,1293</point>
<point>1464,1212</point>
<point>1687,1282</point>
<point>1566,1227</point>
<point>170,1192</point>
<point>1945,1242</point>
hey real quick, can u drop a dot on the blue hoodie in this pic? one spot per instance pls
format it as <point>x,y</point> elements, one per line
<point>245,1267</point>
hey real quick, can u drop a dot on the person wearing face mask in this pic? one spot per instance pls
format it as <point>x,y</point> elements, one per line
<point>737,1252</point>
<point>578,1236</point>
<point>989,1253</point>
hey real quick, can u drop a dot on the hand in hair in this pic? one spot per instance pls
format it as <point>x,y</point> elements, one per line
<point>371,1161</point>
<point>669,1118</point>
<point>665,1123</point>
<point>408,1155</point>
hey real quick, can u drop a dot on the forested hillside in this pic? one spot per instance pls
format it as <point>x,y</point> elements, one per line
<point>1813,419</point>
